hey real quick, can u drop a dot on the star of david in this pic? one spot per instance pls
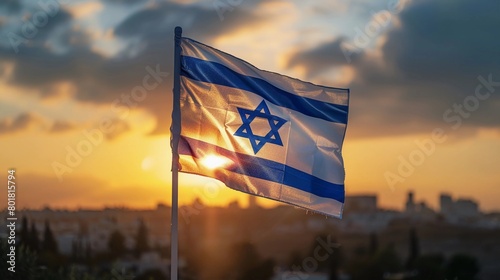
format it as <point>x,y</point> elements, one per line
<point>257,141</point>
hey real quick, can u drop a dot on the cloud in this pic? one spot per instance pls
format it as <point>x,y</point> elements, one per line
<point>127,2</point>
<point>199,21</point>
<point>120,127</point>
<point>324,57</point>
<point>82,10</point>
<point>426,63</point>
<point>450,42</point>
<point>61,126</point>
<point>25,121</point>
<point>10,5</point>
<point>62,52</point>
<point>19,123</point>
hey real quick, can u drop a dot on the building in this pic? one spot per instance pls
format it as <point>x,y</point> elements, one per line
<point>418,210</point>
<point>445,204</point>
<point>361,203</point>
<point>457,210</point>
<point>410,203</point>
<point>466,208</point>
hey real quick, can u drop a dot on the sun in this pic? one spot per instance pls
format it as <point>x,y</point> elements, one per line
<point>215,161</point>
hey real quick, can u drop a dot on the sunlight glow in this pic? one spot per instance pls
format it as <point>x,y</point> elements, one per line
<point>148,163</point>
<point>215,161</point>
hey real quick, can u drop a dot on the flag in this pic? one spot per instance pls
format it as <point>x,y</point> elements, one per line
<point>260,132</point>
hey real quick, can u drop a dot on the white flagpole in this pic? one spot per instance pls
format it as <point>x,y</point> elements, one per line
<point>176,132</point>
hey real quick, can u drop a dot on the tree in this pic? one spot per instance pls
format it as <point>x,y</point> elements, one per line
<point>75,252</point>
<point>49,244</point>
<point>25,264</point>
<point>414,248</point>
<point>295,258</point>
<point>388,260</point>
<point>24,234</point>
<point>141,240</point>
<point>373,244</point>
<point>463,267</point>
<point>335,261</point>
<point>152,274</point>
<point>374,267</point>
<point>116,243</point>
<point>33,241</point>
<point>330,257</point>
<point>247,264</point>
<point>430,267</point>
<point>88,254</point>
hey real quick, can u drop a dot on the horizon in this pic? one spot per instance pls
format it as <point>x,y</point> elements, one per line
<point>244,205</point>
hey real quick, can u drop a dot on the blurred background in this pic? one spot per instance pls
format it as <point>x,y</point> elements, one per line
<point>85,104</point>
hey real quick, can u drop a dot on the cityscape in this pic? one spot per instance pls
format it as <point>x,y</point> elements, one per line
<point>276,240</point>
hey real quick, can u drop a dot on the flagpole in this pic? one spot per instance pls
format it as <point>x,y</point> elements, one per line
<point>176,131</point>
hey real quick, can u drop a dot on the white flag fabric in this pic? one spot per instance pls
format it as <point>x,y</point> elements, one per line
<point>261,133</point>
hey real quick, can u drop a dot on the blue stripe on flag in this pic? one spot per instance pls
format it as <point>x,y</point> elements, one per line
<point>264,169</point>
<point>216,73</point>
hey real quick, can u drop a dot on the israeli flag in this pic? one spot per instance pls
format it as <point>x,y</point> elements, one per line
<point>261,133</point>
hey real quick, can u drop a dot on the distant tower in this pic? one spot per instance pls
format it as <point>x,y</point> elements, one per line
<point>252,202</point>
<point>410,203</point>
<point>445,204</point>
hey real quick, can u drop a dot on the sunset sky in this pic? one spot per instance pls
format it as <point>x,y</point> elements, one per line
<point>414,68</point>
